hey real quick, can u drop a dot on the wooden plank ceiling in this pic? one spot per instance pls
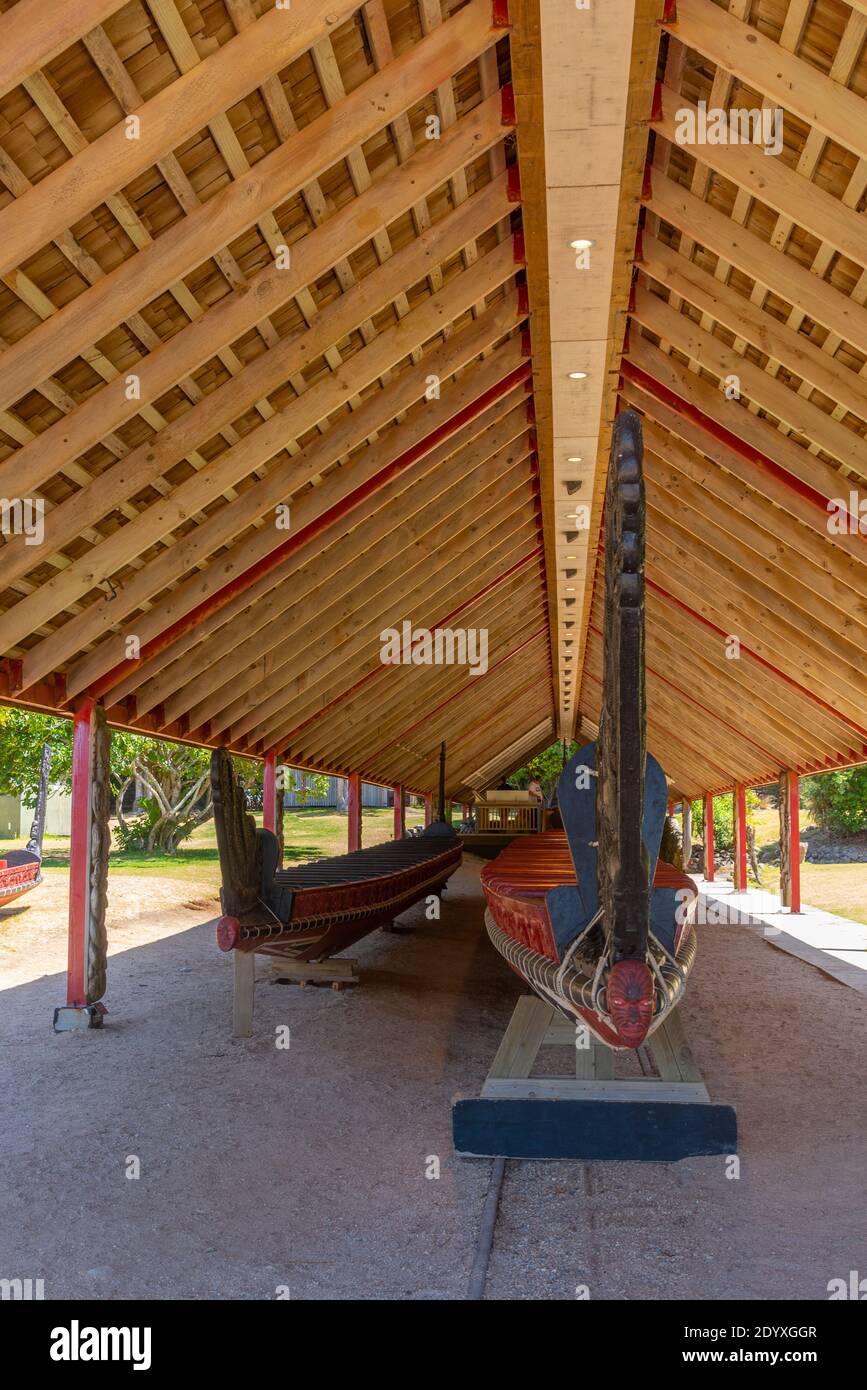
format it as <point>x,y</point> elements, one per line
<point>287,318</point>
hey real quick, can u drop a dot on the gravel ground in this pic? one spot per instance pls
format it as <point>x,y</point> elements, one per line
<point>304,1169</point>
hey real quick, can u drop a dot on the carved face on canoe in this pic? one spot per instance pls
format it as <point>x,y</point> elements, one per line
<point>630,1000</point>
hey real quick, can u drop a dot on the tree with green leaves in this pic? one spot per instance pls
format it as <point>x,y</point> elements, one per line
<point>174,776</point>
<point>546,765</point>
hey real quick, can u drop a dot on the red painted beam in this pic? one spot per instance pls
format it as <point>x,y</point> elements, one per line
<point>269,793</point>
<point>79,851</point>
<point>685,695</point>
<point>404,733</point>
<point>284,739</point>
<point>687,411</point>
<point>353,802</point>
<point>781,675</point>
<point>270,562</point>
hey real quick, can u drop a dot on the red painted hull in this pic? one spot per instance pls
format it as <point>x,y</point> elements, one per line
<point>21,872</point>
<point>516,884</point>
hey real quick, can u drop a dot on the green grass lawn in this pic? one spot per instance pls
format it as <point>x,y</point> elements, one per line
<point>308,835</point>
<point>840,888</point>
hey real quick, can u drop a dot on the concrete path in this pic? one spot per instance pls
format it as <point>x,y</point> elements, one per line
<point>831,943</point>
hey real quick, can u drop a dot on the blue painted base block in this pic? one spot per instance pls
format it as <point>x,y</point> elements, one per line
<point>642,1131</point>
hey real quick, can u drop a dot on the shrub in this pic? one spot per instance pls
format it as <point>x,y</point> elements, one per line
<point>838,800</point>
<point>723,820</point>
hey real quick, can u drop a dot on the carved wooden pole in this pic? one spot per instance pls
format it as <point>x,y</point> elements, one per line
<point>686,828</point>
<point>398,812</point>
<point>739,801</point>
<point>708,839</point>
<point>88,871</point>
<point>441,798</point>
<point>428,808</point>
<point>353,798</point>
<point>790,842</point>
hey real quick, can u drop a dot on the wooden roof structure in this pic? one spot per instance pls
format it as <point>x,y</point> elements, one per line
<point>288,314</point>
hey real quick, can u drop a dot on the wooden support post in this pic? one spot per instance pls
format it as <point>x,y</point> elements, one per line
<point>88,871</point>
<point>790,842</point>
<point>739,802</point>
<point>399,825</point>
<point>428,808</point>
<point>353,797</point>
<point>708,839</point>
<point>686,828</point>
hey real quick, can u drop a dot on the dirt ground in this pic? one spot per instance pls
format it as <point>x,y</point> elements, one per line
<point>265,1169</point>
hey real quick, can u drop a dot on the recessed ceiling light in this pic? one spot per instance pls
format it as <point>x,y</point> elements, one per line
<point>574,458</point>
<point>582,243</point>
<point>577,376</point>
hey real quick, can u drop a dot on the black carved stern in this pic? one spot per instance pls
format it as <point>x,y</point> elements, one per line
<point>624,873</point>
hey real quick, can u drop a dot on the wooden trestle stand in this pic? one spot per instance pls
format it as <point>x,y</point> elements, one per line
<point>592,1114</point>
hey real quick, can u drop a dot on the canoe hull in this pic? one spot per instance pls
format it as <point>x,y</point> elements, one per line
<point>520,926</point>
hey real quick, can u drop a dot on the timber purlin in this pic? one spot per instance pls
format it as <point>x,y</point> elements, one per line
<point>320,143</point>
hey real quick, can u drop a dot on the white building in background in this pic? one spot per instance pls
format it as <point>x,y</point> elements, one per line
<point>335,795</point>
<point>16,818</point>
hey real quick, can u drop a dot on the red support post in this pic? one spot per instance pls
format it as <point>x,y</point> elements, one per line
<point>739,799</point>
<point>353,796</point>
<point>398,811</point>
<point>269,793</point>
<point>428,808</point>
<point>708,839</point>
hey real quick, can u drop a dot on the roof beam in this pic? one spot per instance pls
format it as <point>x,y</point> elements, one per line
<point>173,116</point>
<point>764,390</point>
<point>252,450</point>
<point>771,182</point>
<point>359,723</point>
<point>781,274</point>
<point>33,32</point>
<point>335,496</point>
<point>308,702</point>
<point>797,352</point>
<point>273,180</point>
<point>408,523</point>
<point>156,679</point>
<point>742,432</point>
<point>781,77</point>
<point>383,601</point>
<point>843,582</point>
<point>228,402</point>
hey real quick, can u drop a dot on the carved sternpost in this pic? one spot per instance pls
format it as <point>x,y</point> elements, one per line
<point>88,870</point>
